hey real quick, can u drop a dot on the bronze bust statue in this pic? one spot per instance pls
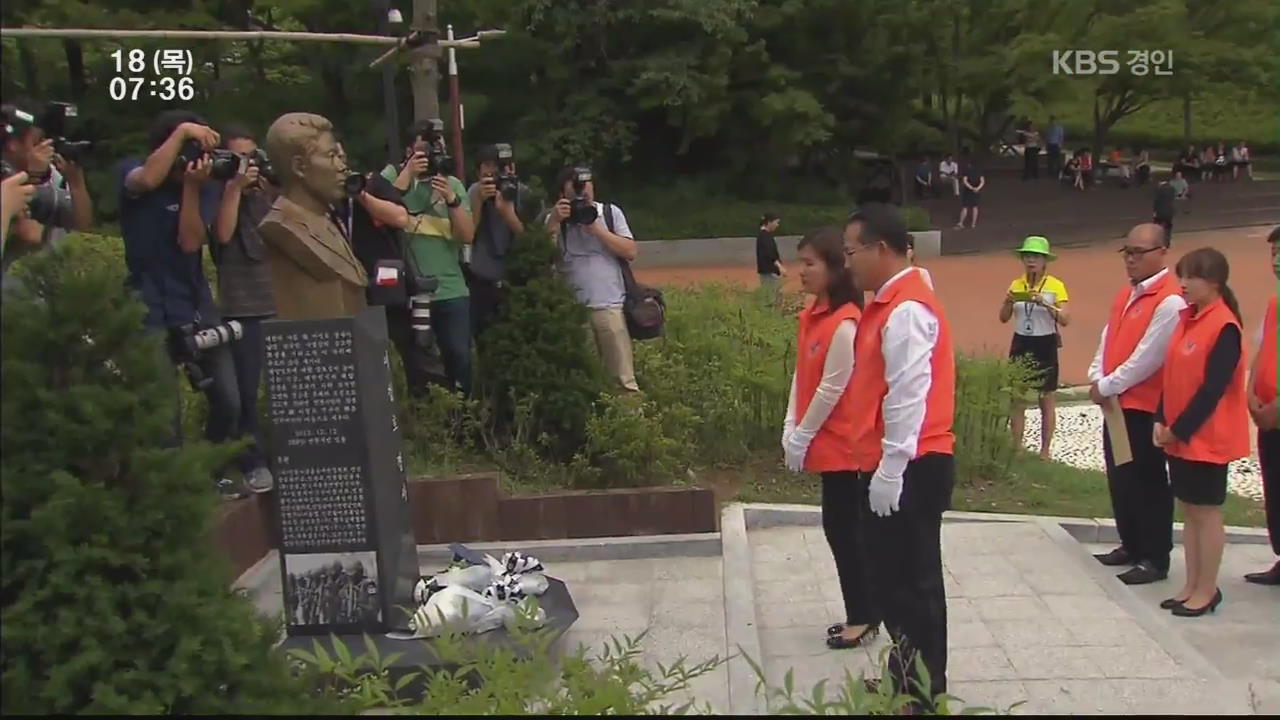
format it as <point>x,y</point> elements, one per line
<point>314,273</point>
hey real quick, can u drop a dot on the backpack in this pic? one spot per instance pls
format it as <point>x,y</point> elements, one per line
<point>644,307</point>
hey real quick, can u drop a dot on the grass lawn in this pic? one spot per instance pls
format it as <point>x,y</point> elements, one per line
<point>1033,488</point>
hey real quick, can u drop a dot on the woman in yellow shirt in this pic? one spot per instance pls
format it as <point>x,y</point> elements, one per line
<point>1036,303</point>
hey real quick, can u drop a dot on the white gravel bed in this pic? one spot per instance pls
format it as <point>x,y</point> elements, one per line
<point>1078,442</point>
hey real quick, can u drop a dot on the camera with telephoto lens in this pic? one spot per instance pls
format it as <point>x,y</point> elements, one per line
<point>508,183</point>
<point>582,211</point>
<point>186,343</point>
<point>49,201</point>
<point>438,160</point>
<point>53,121</point>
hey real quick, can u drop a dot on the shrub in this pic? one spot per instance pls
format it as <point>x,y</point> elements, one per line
<point>112,600</point>
<point>634,442</point>
<point>985,390</point>
<point>538,348</point>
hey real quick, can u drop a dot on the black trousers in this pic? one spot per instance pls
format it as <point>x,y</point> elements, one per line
<point>1269,459</point>
<point>843,519</point>
<point>1141,497</point>
<point>486,296</point>
<point>248,354</point>
<point>905,552</point>
<point>1054,160</point>
<point>1030,162</point>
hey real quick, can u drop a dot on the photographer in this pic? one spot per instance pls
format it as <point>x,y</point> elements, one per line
<point>16,194</point>
<point>244,287</point>
<point>166,207</point>
<point>501,204</point>
<point>441,225</point>
<point>592,254</point>
<point>62,201</point>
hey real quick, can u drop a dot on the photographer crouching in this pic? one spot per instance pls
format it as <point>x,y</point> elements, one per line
<point>440,226</point>
<point>244,286</point>
<point>35,144</point>
<point>501,204</point>
<point>167,204</point>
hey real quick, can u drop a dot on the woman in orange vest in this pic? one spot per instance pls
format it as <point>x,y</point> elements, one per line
<point>819,421</point>
<point>1202,421</point>
<point>1265,409</point>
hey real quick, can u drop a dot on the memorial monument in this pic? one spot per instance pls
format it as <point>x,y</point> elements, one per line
<point>314,273</point>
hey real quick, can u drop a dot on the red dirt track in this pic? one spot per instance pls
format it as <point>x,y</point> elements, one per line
<point>973,286</point>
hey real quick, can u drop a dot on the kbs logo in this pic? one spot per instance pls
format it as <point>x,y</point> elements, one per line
<point>1086,62</point>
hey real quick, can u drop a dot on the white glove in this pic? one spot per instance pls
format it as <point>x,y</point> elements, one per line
<point>884,494</point>
<point>788,428</point>
<point>796,448</point>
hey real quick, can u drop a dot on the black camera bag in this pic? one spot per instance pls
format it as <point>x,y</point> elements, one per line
<point>644,307</point>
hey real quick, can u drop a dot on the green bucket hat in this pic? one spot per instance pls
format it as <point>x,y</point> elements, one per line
<point>1036,244</point>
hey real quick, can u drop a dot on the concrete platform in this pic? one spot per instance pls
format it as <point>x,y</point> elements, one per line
<point>1033,618</point>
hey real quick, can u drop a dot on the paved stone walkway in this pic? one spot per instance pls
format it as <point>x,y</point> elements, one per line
<point>1033,619</point>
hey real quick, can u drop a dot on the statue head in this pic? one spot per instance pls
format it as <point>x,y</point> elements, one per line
<point>307,156</point>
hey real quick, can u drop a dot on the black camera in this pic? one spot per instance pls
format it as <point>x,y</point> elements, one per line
<point>355,184</point>
<point>582,211</point>
<point>224,164</point>
<point>258,158</point>
<point>53,121</point>
<point>438,160</point>
<point>508,183</point>
<point>186,343</point>
<point>47,202</point>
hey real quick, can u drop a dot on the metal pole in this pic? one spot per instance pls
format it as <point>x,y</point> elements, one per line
<point>455,108</point>
<point>87,34</point>
<point>392,114</point>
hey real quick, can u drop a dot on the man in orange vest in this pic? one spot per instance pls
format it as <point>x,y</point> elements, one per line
<point>1265,409</point>
<point>1127,366</point>
<point>904,378</point>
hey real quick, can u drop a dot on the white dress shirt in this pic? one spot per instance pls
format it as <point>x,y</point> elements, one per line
<point>1148,356</point>
<point>908,339</point>
<point>836,371</point>
<point>948,168</point>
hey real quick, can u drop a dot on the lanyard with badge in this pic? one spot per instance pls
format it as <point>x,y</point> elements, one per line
<point>1029,306</point>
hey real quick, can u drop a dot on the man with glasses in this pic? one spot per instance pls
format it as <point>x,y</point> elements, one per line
<point>1127,367</point>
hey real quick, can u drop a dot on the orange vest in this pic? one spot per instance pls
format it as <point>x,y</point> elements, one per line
<point>870,387</point>
<point>1125,330</point>
<point>1265,378</point>
<point>830,450</point>
<point>1225,435</point>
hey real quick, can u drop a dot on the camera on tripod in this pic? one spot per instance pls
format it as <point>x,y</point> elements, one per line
<point>438,160</point>
<point>507,182</point>
<point>186,343</point>
<point>582,211</point>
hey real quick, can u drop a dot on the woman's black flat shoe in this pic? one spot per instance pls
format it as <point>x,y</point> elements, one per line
<point>1170,604</point>
<point>1184,611</point>
<point>839,642</point>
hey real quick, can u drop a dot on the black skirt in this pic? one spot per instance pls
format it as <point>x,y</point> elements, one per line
<point>1042,352</point>
<point>1198,483</point>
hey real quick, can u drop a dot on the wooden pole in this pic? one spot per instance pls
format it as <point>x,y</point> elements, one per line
<point>424,70</point>
<point>101,34</point>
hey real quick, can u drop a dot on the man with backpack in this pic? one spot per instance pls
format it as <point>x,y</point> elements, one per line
<point>597,249</point>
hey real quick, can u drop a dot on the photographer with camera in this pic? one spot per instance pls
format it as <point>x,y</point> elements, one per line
<point>244,286</point>
<point>17,193</point>
<point>167,204</point>
<point>501,204</point>
<point>441,225</point>
<point>591,263</point>
<point>34,145</point>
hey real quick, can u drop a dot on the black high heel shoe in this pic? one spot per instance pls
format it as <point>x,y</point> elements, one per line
<point>839,642</point>
<point>1170,604</point>
<point>1184,611</point>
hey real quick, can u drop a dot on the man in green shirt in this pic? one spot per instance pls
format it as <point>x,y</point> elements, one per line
<point>440,225</point>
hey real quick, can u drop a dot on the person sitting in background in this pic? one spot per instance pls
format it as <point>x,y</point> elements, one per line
<point>1221,162</point>
<point>1120,163</point>
<point>949,174</point>
<point>1071,169</point>
<point>924,178</point>
<point>1207,158</point>
<point>1188,163</point>
<point>1240,159</point>
<point>1141,165</point>
<point>1084,172</point>
<point>768,262</point>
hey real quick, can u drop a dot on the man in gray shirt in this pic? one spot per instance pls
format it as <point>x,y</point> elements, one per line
<point>591,263</point>
<point>499,217</point>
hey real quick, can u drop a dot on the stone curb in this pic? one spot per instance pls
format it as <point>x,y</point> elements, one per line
<point>742,631</point>
<point>1084,530</point>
